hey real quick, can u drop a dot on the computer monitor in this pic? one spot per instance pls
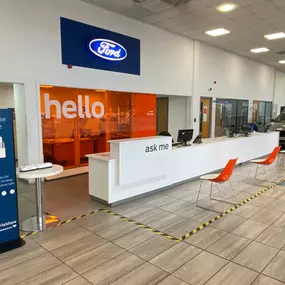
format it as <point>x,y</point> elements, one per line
<point>185,136</point>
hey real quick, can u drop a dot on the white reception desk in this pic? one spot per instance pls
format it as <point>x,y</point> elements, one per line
<point>138,166</point>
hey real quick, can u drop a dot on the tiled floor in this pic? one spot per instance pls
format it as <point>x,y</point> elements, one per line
<point>244,247</point>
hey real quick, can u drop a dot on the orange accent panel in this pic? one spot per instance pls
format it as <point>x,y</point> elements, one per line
<point>144,118</point>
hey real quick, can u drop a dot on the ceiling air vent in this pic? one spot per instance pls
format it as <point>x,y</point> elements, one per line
<point>176,2</point>
<point>281,52</point>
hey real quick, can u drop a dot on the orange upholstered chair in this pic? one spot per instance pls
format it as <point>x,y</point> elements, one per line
<point>266,162</point>
<point>219,178</point>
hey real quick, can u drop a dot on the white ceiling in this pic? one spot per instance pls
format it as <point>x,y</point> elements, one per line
<point>248,23</point>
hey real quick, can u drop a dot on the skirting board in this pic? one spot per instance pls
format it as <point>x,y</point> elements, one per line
<point>69,172</point>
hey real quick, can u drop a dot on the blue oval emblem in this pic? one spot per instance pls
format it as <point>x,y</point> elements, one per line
<point>108,49</point>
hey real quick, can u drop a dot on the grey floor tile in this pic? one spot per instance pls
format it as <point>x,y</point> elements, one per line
<point>78,281</point>
<point>146,274</point>
<point>207,202</point>
<point>228,222</point>
<point>280,223</point>
<point>277,205</point>
<point>229,246</point>
<point>189,211</point>
<point>40,236</point>
<point>133,238</point>
<point>25,253</point>
<point>266,216</point>
<point>55,276</point>
<point>64,238</point>
<point>161,201</point>
<point>150,216</point>
<point>273,236</point>
<point>200,269</point>
<point>113,269</point>
<point>93,258</point>
<point>136,210</point>
<point>261,201</point>
<point>91,219</point>
<point>256,256</point>
<point>192,198</point>
<point>204,216</point>
<point>28,269</point>
<point>167,222</point>
<point>273,193</point>
<point>206,237</point>
<point>152,247</point>
<point>117,230</point>
<point>275,268</point>
<point>175,257</point>
<point>246,211</point>
<point>171,280</point>
<point>233,274</point>
<point>76,248</point>
<point>182,228</point>
<point>174,205</point>
<point>103,223</point>
<point>250,229</point>
<point>264,280</point>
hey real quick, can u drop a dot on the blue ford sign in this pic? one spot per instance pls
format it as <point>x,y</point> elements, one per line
<point>9,222</point>
<point>92,47</point>
<point>108,50</point>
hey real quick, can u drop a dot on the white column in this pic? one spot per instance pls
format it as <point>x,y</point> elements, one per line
<point>28,123</point>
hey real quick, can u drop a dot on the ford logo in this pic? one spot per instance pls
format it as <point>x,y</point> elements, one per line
<point>108,49</point>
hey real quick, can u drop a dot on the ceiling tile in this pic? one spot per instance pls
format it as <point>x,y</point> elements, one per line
<point>248,23</point>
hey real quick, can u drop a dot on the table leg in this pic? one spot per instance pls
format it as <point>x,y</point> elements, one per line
<point>40,207</point>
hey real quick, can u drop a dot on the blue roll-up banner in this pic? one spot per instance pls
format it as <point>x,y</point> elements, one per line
<point>9,221</point>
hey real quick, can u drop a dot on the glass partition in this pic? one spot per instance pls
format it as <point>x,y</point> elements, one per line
<point>230,115</point>
<point>261,114</point>
<point>77,122</point>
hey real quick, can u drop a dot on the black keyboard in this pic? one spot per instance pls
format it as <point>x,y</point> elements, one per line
<point>176,144</point>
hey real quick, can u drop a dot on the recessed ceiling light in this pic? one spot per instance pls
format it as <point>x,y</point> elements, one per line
<point>258,50</point>
<point>217,32</point>
<point>282,61</point>
<point>227,7</point>
<point>275,36</point>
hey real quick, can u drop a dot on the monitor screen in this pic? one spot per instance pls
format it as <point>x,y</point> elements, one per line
<point>185,135</point>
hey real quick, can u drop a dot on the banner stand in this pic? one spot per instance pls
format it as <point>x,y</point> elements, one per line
<point>7,246</point>
<point>9,219</point>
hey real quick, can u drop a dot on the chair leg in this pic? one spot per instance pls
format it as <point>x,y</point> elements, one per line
<point>256,172</point>
<point>267,175</point>
<point>221,197</point>
<point>249,172</point>
<point>199,192</point>
<point>233,190</point>
<point>211,189</point>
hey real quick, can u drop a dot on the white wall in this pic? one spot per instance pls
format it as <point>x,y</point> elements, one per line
<point>279,95</point>
<point>31,54</point>
<point>178,107</point>
<point>236,78</point>
<point>6,96</point>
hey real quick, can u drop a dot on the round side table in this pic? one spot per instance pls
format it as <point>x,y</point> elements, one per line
<point>38,222</point>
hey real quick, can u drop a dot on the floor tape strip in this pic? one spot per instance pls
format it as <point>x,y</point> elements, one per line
<point>206,224</point>
<point>199,228</point>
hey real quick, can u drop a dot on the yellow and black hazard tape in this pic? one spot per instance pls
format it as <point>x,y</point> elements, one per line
<point>63,223</point>
<point>111,213</point>
<point>206,224</point>
<point>199,228</point>
<point>142,225</point>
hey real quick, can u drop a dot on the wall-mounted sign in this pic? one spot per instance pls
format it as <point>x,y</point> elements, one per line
<point>108,50</point>
<point>70,109</point>
<point>92,47</point>
<point>9,222</point>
